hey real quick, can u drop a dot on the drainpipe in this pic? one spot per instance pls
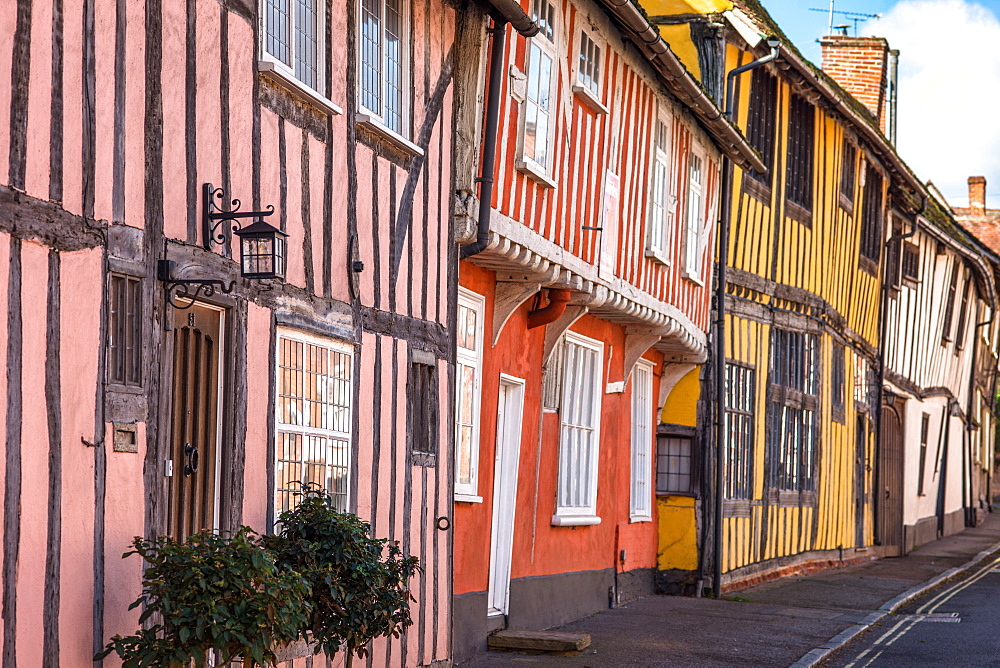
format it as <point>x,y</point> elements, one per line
<point>720,323</point>
<point>498,31</point>
<point>557,305</point>
<point>893,79</point>
<point>877,408</point>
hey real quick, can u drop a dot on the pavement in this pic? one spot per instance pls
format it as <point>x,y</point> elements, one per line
<point>797,621</point>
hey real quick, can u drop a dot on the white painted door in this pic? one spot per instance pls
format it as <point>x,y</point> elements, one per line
<point>508,450</point>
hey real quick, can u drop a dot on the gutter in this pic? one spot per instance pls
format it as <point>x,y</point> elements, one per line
<point>684,86</point>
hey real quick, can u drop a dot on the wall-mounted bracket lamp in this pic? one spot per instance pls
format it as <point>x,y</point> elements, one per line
<point>262,246</point>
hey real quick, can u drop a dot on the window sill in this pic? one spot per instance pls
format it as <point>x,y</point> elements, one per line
<point>759,190</point>
<point>798,213</point>
<point>639,518</point>
<point>688,276</point>
<point>271,70</point>
<point>374,125</point>
<point>467,498</point>
<point>575,520</point>
<point>658,257</point>
<point>535,172</point>
<point>590,98</point>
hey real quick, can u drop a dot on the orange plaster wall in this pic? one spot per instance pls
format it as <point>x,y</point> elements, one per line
<point>540,548</point>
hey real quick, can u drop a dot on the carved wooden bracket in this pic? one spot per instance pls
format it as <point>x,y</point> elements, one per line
<point>509,297</point>
<point>554,330</point>
<point>637,342</point>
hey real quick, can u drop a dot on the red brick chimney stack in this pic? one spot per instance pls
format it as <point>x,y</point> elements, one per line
<point>858,64</point>
<point>977,196</point>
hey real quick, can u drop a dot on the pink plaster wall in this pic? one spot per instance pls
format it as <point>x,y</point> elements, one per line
<point>80,327</point>
<point>207,99</point>
<point>174,135</point>
<point>104,106</point>
<point>255,497</point>
<point>135,106</point>
<point>123,520</point>
<point>34,457</point>
<point>242,74</point>
<point>72,94</point>
<point>8,25</point>
<point>293,210</point>
<point>36,181</point>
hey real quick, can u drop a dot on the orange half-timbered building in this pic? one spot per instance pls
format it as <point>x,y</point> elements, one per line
<point>583,306</point>
<point>141,400</point>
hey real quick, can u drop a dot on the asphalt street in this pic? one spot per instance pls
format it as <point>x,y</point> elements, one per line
<point>955,625</point>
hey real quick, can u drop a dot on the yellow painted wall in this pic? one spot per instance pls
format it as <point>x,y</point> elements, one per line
<point>672,7</point>
<point>681,406</point>
<point>678,533</point>
<point>821,258</point>
<point>679,38</point>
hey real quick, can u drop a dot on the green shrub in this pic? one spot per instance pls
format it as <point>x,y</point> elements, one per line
<point>212,593</point>
<point>358,583</point>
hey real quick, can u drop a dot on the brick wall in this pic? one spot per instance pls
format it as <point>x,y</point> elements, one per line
<point>858,64</point>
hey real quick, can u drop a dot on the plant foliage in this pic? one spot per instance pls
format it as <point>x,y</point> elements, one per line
<point>212,593</point>
<point>358,583</point>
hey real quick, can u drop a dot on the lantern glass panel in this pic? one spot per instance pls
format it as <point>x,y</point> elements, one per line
<point>257,255</point>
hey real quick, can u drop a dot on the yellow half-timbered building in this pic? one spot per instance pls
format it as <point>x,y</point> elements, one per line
<point>803,307</point>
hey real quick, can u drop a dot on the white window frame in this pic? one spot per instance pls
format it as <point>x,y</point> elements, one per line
<point>641,498</point>
<point>284,73</point>
<point>579,477</point>
<point>538,46</point>
<point>469,492</point>
<point>590,91</point>
<point>280,427</point>
<point>660,235</point>
<point>694,216</point>
<point>377,117</point>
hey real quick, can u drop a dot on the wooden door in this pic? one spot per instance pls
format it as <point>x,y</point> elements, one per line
<point>890,508</point>
<point>860,471</point>
<point>508,454</point>
<point>197,344</point>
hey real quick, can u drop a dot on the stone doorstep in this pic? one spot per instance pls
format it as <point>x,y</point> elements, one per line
<point>538,641</point>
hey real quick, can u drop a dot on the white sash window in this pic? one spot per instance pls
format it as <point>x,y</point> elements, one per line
<point>580,417</point>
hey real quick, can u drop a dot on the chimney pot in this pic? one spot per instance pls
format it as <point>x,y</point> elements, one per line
<point>977,195</point>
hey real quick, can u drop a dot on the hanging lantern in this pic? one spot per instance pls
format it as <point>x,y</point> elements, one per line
<point>262,251</point>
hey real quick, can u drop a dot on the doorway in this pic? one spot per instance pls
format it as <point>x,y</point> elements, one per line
<point>890,509</point>
<point>193,503</point>
<point>508,450</point>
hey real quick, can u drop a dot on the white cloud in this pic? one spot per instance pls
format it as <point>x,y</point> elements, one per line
<point>949,92</point>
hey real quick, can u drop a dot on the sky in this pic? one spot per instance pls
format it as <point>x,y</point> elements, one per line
<point>949,80</point>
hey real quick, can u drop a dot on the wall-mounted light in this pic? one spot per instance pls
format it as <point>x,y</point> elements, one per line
<point>262,250</point>
<point>262,246</point>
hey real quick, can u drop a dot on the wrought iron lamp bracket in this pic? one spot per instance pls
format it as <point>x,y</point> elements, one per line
<point>218,223</point>
<point>182,292</point>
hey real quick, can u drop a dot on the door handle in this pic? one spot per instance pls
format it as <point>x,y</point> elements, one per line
<point>191,459</point>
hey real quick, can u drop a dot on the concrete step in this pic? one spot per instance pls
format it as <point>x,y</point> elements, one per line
<point>539,641</point>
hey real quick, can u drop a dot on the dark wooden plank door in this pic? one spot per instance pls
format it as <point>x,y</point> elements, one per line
<point>890,509</point>
<point>195,421</point>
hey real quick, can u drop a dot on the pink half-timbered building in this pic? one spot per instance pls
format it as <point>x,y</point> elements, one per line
<point>583,305</point>
<point>129,410</point>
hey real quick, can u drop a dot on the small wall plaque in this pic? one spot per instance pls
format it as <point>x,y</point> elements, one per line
<point>126,438</point>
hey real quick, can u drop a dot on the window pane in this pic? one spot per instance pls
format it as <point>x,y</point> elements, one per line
<point>314,420</point>
<point>393,114</point>
<point>307,58</point>
<point>276,28</point>
<point>371,55</point>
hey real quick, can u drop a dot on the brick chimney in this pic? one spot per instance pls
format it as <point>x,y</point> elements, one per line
<point>977,196</point>
<point>858,64</point>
